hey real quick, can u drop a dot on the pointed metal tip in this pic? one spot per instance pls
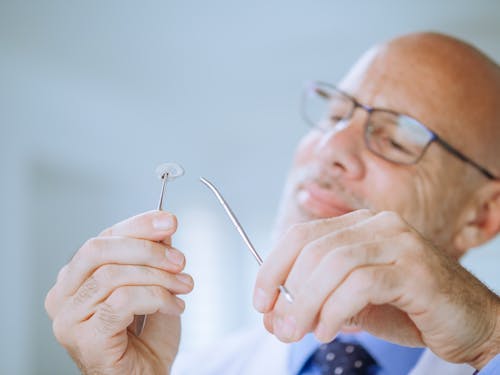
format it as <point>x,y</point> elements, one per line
<point>213,188</point>
<point>205,181</point>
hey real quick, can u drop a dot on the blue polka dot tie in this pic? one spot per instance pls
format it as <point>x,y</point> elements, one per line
<point>338,358</point>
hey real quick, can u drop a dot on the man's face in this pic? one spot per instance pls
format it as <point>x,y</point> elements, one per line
<point>333,172</point>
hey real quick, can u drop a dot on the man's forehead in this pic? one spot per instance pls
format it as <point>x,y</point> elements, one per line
<point>448,85</point>
<point>385,78</point>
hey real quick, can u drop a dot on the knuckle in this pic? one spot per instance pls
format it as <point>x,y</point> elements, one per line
<point>160,293</point>
<point>163,299</point>
<point>62,272</point>
<point>89,249</point>
<point>313,252</point>
<point>368,252</point>
<point>340,236</point>
<point>119,299</point>
<point>342,257</point>
<point>106,273</point>
<point>152,274</point>
<point>106,232</point>
<point>383,280</point>
<point>88,246</point>
<point>48,303</point>
<point>60,330</point>
<point>87,290</point>
<point>407,238</point>
<point>412,246</point>
<point>361,281</point>
<point>108,316</point>
<point>392,218</point>
<point>98,247</point>
<point>147,246</point>
<point>365,212</point>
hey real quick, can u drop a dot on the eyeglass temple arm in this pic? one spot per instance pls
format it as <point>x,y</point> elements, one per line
<point>464,158</point>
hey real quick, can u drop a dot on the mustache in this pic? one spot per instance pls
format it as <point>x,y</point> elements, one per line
<point>332,182</point>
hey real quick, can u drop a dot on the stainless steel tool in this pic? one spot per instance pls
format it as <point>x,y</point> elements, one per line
<point>288,296</point>
<point>166,172</point>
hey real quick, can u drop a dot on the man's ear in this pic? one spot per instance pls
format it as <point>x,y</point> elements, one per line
<point>481,219</point>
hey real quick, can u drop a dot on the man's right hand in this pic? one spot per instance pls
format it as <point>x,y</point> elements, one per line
<point>129,269</point>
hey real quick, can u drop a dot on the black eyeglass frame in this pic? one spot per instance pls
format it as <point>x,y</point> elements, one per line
<point>434,137</point>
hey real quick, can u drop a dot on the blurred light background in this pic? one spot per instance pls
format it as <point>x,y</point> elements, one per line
<point>95,94</point>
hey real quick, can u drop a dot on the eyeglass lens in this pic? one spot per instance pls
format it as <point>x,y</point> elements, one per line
<point>392,136</point>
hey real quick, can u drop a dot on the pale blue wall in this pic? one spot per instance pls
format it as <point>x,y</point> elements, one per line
<point>94,94</point>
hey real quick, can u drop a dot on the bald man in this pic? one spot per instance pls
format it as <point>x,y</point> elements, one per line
<point>397,179</point>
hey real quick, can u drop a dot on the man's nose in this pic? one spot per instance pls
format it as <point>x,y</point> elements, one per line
<point>341,147</point>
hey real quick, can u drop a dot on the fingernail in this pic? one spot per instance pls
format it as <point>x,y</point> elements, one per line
<point>185,279</point>
<point>180,303</point>
<point>284,328</point>
<point>163,223</point>
<point>321,332</point>
<point>288,327</point>
<point>175,257</point>
<point>261,300</point>
<point>277,325</point>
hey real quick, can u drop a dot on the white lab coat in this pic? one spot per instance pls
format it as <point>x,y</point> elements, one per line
<point>256,352</point>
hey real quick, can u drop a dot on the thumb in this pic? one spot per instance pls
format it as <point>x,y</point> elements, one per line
<point>152,225</point>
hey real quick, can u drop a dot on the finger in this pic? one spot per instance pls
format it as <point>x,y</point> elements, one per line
<point>331,271</point>
<point>116,313</point>
<point>267,320</point>
<point>372,230</point>
<point>276,267</point>
<point>151,225</point>
<point>112,250</point>
<point>368,285</point>
<point>344,250</point>
<point>52,300</point>
<point>102,283</point>
<point>120,250</point>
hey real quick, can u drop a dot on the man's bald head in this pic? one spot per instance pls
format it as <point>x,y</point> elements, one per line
<point>456,87</point>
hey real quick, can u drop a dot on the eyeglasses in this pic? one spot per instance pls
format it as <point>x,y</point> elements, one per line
<point>390,135</point>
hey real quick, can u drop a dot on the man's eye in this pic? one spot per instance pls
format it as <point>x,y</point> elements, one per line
<point>399,147</point>
<point>336,118</point>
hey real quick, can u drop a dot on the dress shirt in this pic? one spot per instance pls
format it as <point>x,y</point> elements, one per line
<point>256,352</point>
<point>391,358</point>
<point>492,368</point>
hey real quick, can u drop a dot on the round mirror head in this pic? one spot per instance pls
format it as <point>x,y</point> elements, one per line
<point>170,171</point>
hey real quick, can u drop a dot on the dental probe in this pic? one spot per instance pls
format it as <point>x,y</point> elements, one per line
<point>241,231</point>
<point>166,172</point>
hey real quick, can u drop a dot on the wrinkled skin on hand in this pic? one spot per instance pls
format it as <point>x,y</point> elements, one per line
<point>129,269</point>
<point>375,272</point>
